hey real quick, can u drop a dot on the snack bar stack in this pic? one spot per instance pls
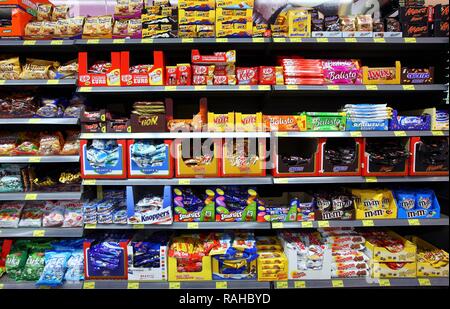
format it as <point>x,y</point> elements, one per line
<point>196,19</point>
<point>159,20</point>
<point>348,259</point>
<point>234,19</point>
<point>391,256</point>
<point>299,71</point>
<point>272,261</point>
<point>216,69</point>
<point>368,117</point>
<point>308,257</point>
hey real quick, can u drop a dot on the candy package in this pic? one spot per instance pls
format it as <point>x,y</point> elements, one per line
<point>32,215</point>
<point>75,266</point>
<point>10,178</point>
<point>72,144</point>
<point>44,12</point>
<point>53,215</point>
<point>193,206</point>
<point>10,68</point>
<point>15,261</point>
<point>98,27</point>
<point>10,214</point>
<point>60,12</point>
<point>50,143</point>
<point>69,28</point>
<point>38,69</point>
<point>34,265</point>
<point>55,268</point>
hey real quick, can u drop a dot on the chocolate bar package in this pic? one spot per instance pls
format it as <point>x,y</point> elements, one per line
<point>393,25</point>
<point>331,23</point>
<point>414,15</point>
<point>441,12</point>
<point>416,30</point>
<point>417,76</point>
<point>441,29</point>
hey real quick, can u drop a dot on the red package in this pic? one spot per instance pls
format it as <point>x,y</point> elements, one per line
<point>224,80</point>
<point>203,69</point>
<point>184,75</point>
<point>171,76</point>
<point>200,80</point>
<point>247,76</point>
<point>267,76</point>
<point>229,69</point>
<point>303,81</point>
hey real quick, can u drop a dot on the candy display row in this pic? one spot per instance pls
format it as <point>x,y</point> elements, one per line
<point>220,68</point>
<point>39,144</point>
<point>229,19</point>
<point>323,254</point>
<point>27,178</point>
<point>292,157</point>
<point>41,214</point>
<point>11,68</point>
<point>148,205</point>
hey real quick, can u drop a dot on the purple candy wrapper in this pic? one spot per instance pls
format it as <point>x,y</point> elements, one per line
<point>342,72</point>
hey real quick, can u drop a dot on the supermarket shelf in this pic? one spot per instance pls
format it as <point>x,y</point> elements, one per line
<point>6,283</point>
<point>361,134</point>
<point>174,135</point>
<point>431,40</point>
<point>202,89</point>
<point>39,82</point>
<point>183,226</point>
<point>359,88</point>
<point>443,221</point>
<point>41,232</point>
<point>38,159</point>
<point>123,284</point>
<point>38,43</point>
<point>36,196</point>
<point>56,121</point>
<point>357,179</point>
<point>180,181</point>
<point>363,283</point>
<point>173,41</point>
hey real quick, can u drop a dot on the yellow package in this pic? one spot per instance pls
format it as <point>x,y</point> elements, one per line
<point>299,22</point>
<point>10,68</point>
<point>249,122</point>
<point>38,69</point>
<point>197,4</point>
<point>44,12</point>
<point>225,15</point>
<point>221,122</point>
<point>431,261</point>
<point>98,27</point>
<point>393,270</point>
<point>235,4</point>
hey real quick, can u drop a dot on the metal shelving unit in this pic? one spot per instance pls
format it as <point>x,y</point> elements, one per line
<point>39,159</point>
<point>359,88</point>
<point>42,232</point>
<point>318,134</point>
<point>36,196</point>
<point>180,182</point>
<point>202,89</point>
<point>443,221</point>
<point>9,284</point>
<point>38,121</point>
<point>358,179</point>
<point>174,135</point>
<point>39,82</point>
<point>184,226</point>
<point>123,284</point>
<point>362,283</point>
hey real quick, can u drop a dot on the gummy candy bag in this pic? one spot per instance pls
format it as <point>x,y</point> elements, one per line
<point>55,268</point>
<point>33,266</point>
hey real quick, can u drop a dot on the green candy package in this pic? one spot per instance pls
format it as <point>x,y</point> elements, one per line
<point>34,266</point>
<point>15,262</point>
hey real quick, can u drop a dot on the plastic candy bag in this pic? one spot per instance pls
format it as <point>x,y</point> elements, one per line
<point>55,268</point>
<point>75,266</point>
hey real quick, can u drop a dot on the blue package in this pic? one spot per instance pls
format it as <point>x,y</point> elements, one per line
<point>426,205</point>
<point>410,123</point>
<point>356,124</point>
<point>55,268</point>
<point>75,267</point>
<point>406,200</point>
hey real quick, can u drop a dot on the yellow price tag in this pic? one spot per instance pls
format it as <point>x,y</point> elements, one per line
<point>1,286</point>
<point>29,42</point>
<point>184,182</point>
<point>323,224</point>
<point>2,81</point>
<point>368,223</point>
<point>258,40</point>
<point>85,89</point>
<point>90,226</point>
<point>322,40</point>
<point>34,120</point>
<point>170,88</point>
<point>400,133</point>
<point>45,287</point>
<point>89,182</point>
<point>118,41</point>
<point>333,87</point>
<point>187,40</point>
<point>138,226</point>
<point>277,225</point>
<point>53,82</point>
<point>379,40</point>
<point>410,40</point>
<point>351,40</point>
<point>30,197</point>
<point>371,87</point>
<point>282,134</point>
<point>89,285</point>
<point>147,41</point>
<point>133,286</point>
<point>192,225</point>
<point>281,180</point>
<point>93,41</point>
<point>221,285</point>
<point>437,133</point>
<point>299,284</point>
<point>199,88</point>
<point>371,179</point>
<point>38,233</point>
<point>424,282</point>
<point>307,224</point>
<point>174,285</point>
<point>57,42</point>
<point>34,159</point>
<point>296,40</point>
<point>279,40</point>
<point>282,285</point>
<point>264,87</point>
<point>292,87</point>
<point>356,134</point>
<point>337,283</point>
<point>413,222</point>
<point>384,282</point>
<point>221,40</point>
<point>409,87</point>
<point>245,87</point>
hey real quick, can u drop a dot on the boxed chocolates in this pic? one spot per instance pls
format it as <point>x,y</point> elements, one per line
<point>374,204</point>
<point>277,209</point>
<point>142,74</point>
<point>220,122</point>
<point>193,205</point>
<point>149,159</point>
<point>272,261</point>
<point>301,158</point>
<point>418,204</point>
<point>388,246</point>
<point>431,261</point>
<point>340,157</point>
<point>243,157</point>
<point>236,204</point>
<point>149,205</point>
<point>100,73</point>
<point>393,270</point>
<point>248,122</point>
<point>151,116</point>
<point>429,156</point>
